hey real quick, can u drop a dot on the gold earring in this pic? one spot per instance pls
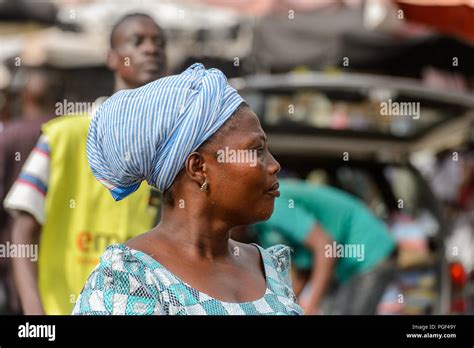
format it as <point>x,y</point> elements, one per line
<point>204,186</point>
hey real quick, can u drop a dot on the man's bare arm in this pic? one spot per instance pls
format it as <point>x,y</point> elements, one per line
<point>321,272</point>
<point>26,230</point>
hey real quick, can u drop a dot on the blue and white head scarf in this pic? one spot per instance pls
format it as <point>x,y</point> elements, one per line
<point>148,132</point>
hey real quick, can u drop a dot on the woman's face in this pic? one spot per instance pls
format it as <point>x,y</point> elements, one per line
<point>241,172</point>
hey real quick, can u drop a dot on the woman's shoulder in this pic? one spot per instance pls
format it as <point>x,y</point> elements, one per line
<point>121,265</point>
<point>277,256</point>
<point>276,259</point>
<point>121,283</point>
<point>115,256</point>
<point>123,258</point>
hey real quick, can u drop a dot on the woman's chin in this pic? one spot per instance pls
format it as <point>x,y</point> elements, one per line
<point>266,212</point>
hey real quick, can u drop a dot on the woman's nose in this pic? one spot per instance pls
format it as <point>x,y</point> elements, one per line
<point>273,165</point>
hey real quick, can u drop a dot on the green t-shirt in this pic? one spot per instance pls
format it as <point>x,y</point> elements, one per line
<point>361,240</point>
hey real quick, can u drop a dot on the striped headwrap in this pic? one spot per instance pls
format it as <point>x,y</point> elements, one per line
<point>148,132</point>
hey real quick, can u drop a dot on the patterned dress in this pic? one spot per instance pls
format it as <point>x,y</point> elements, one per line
<point>130,282</point>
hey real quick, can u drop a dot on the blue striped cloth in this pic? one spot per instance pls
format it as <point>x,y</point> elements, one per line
<point>147,133</point>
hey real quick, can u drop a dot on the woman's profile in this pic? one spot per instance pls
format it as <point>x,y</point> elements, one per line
<point>169,133</point>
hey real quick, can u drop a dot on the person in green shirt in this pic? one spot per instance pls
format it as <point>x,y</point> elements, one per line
<point>331,231</point>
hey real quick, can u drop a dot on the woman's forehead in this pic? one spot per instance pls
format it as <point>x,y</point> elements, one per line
<point>246,131</point>
<point>247,120</point>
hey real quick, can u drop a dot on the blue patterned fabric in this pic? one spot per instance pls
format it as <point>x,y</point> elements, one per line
<point>147,133</point>
<point>130,282</point>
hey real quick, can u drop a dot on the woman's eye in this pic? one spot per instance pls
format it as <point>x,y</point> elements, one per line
<point>136,41</point>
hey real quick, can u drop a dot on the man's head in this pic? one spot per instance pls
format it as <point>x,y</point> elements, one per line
<point>137,51</point>
<point>40,93</point>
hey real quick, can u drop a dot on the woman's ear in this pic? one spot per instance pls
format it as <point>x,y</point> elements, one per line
<point>196,168</point>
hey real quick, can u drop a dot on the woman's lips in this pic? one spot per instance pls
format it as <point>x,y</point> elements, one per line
<point>275,193</point>
<point>274,190</point>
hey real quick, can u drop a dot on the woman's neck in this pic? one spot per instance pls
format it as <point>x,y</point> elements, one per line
<point>198,234</point>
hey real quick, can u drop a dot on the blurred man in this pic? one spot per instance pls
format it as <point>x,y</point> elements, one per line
<point>38,97</point>
<point>62,205</point>
<point>332,232</point>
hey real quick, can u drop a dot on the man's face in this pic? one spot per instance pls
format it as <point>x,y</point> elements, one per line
<point>138,55</point>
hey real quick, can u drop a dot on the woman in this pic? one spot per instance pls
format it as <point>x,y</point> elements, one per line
<point>171,133</point>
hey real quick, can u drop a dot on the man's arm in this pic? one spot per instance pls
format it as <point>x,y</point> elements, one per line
<point>26,231</point>
<point>321,272</point>
<point>25,202</point>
